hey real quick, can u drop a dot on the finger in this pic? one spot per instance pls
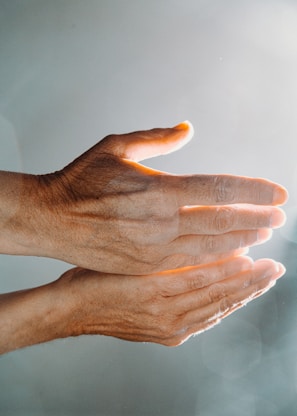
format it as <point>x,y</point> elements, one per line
<point>224,189</point>
<point>222,219</point>
<point>210,323</point>
<point>142,145</point>
<point>213,315</point>
<point>237,290</point>
<point>198,328</point>
<point>180,261</point>
<point>191,279</point>
<point>211,244</point>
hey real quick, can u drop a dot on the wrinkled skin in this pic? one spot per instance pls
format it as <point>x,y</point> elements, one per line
<point>165,308</point>
<point>106,212</point>
<point>168,249</point>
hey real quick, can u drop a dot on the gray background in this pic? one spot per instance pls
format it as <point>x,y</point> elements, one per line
<point>74,71</point>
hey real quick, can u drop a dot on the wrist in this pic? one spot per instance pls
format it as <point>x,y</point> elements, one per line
<point>74,303</point>
<point>23,212</point>
<point>33,316</point>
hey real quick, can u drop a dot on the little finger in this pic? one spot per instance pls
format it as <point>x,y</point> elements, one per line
<point>194,245</point>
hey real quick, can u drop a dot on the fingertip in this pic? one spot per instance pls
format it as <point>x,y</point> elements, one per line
<point>278,218</point>
<point>184,125</point>
<point>187,127</point>
<point>270,268</point>
<point>281,269</point>
<point>280,195</point>
<point>247,263</point>
<point>264,234</point>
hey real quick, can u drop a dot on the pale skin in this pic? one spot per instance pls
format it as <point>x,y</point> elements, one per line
<point>166,250</point>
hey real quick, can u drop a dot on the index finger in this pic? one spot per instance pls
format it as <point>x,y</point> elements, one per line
<point>226,189</point>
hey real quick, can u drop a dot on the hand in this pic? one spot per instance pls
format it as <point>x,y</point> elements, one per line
<point>166,308</point>
<point>107,212</point>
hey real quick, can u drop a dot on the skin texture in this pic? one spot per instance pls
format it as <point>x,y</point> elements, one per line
<point>166,250</point>
<point>165,308</point>
<point>108,213</point>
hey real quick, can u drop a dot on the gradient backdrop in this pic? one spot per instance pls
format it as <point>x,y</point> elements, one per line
<point>74,71</point>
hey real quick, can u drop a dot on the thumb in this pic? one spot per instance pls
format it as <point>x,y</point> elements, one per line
<point>142,145</point>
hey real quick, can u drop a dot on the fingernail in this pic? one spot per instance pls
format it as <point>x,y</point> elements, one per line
<point>280,196</point>
<point>185,125</point>
<point>278,218</point>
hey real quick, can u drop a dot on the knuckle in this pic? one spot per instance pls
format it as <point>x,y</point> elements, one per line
<point>225,304</point>
<point>155,310</point>
<point>216,292</point>
<point>170,326</point>
<point>210,243</point>
<point>224,219</point>
<point>197,282</point>
<point>164,194</point>
<point>161,229</point>
<point>167,330</point>
<point>223,191</point>
<point>110,138</point>
<point>110,144</point>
